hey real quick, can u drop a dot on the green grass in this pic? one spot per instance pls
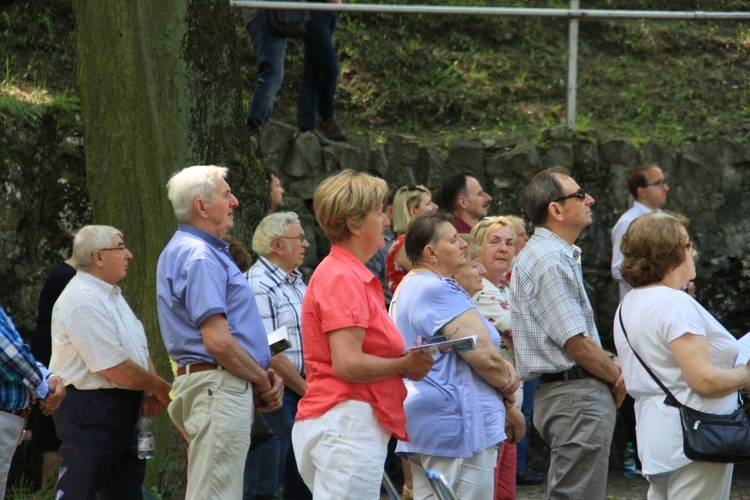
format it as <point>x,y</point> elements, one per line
<point>442,78</point>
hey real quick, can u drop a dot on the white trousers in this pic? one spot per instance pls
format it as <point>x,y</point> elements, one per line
<point>341,454</point>
<point>698,480</point>
<point>471,478</point>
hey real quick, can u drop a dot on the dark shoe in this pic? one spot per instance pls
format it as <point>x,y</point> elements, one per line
<point>331,128</point>
<point>529,476</point>
<point>320,137</point>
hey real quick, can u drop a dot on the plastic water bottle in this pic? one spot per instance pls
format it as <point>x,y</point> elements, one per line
<point>145,437</point>
<point>628,460</point>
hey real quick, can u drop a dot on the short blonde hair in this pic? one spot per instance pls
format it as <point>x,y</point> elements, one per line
<point>653,246</point>
<point>489,225</point>
<point>472,250</point>
<point>270,227</point>
<point>515,221</point>
<point>407,197</point>
<point>348,195</point>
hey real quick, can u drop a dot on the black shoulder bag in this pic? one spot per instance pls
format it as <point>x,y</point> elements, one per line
<point>288,23</point>
<point>707,437</point>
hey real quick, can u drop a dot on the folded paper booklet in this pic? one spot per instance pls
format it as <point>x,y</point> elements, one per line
<point>278,340</point>
<point>446,346</point>
<point>744,356</point>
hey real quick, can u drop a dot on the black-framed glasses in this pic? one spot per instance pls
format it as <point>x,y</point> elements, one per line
<point>300,237</point>
<point>121,248</point>
<point>660,182</point>
<point>580,194</point>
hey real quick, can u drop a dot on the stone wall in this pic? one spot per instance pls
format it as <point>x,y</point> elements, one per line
<point>44,199</point>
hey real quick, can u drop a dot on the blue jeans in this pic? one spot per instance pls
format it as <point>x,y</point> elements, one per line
<point>272,464</point>
<point>269,53</point>
<point>321,71</point>
<point>529,392</point>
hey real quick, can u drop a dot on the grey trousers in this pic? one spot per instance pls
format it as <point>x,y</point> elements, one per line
<point>576,419</point>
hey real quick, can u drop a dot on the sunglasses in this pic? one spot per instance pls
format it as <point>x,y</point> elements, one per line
<point>580,194</point>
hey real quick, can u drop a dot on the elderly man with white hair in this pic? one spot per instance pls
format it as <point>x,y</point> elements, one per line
<point>213,331</point>
<point>99,349</point>
<point>280,242</point>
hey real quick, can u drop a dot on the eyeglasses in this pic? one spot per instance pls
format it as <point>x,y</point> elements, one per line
<point>580,194</point>
<point>689,246</point>
<point>301,238</point>
<point>660,182</point>
<point>121,248</point>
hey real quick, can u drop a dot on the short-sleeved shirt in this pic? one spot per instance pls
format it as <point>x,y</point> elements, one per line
<point>196,278</point>
<point>93,329</point>
<point>452,412</point>
<point>279,298</point>
<point>343,293</point>
<point>549,305</point>
<point>654,317</point>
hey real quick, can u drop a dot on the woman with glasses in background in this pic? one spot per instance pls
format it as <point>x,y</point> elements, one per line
<point>684,346</point>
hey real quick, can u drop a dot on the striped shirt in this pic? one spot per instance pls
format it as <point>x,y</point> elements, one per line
<point>21,377</point>
<point>549,305</point>
<point>93,329</point>
<point>279,297</point>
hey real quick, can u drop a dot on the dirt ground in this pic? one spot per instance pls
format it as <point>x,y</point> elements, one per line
<point>619,488</point>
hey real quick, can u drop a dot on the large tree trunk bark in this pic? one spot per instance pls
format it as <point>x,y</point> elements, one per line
<point>160,90</point>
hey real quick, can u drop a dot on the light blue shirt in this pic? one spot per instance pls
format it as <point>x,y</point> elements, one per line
<point>195,279</point>
<point>452,412</point>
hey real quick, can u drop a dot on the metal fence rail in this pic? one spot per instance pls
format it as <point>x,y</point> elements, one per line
<point>574,15</point>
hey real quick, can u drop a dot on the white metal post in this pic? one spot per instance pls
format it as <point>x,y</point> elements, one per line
<point>572,65</point>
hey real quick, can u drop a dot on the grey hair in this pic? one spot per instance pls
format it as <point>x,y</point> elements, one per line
<point>90,239</point>
<point>198,181</point>
<point>544,188</point>
<point>269,228</point>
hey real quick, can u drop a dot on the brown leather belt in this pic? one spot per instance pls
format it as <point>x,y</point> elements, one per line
<point>195,368</point>
<point>20,413</point>
<point>575,373</point>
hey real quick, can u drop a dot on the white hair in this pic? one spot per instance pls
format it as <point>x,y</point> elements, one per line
<point>90,239</point>
<point>185,186</point>
<point>269,228</point>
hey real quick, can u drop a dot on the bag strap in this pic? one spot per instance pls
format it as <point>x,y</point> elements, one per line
<point>670,400</point>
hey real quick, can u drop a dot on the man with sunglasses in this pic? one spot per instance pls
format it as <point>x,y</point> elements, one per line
<point>649,189</point>
<point>278,287</point>
<point>99,349</point>
<point>556,340</point>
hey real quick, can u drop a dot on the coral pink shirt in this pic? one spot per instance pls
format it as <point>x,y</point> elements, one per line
<point>343,293</point>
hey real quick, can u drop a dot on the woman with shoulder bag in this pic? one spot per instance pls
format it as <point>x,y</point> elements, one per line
<point>684,346</point>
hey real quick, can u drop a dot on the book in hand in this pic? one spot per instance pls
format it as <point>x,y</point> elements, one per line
<point>278,340</point>
<point>446,346</point>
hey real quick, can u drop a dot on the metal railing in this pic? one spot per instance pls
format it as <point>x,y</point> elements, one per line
<point>574,14</point>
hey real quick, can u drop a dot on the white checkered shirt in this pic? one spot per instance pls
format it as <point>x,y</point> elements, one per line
<point>549,304</point>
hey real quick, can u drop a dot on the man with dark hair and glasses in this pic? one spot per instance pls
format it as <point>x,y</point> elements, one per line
<point>556,340</point>
<point>649,189</point>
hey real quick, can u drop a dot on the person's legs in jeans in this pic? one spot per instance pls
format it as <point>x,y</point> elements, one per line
<point>268,466</point>
<point>320,74</point>
<point>269,53</point>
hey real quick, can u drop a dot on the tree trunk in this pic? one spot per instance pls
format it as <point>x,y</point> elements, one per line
<point>160,90</point>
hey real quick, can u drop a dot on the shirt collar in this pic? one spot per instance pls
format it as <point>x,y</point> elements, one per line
<point>111,291</point>
<point>341,253</point>
<point>572,251</point>
<point>643,209</point>
<point>279,275</point>
<point>209,238</point>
